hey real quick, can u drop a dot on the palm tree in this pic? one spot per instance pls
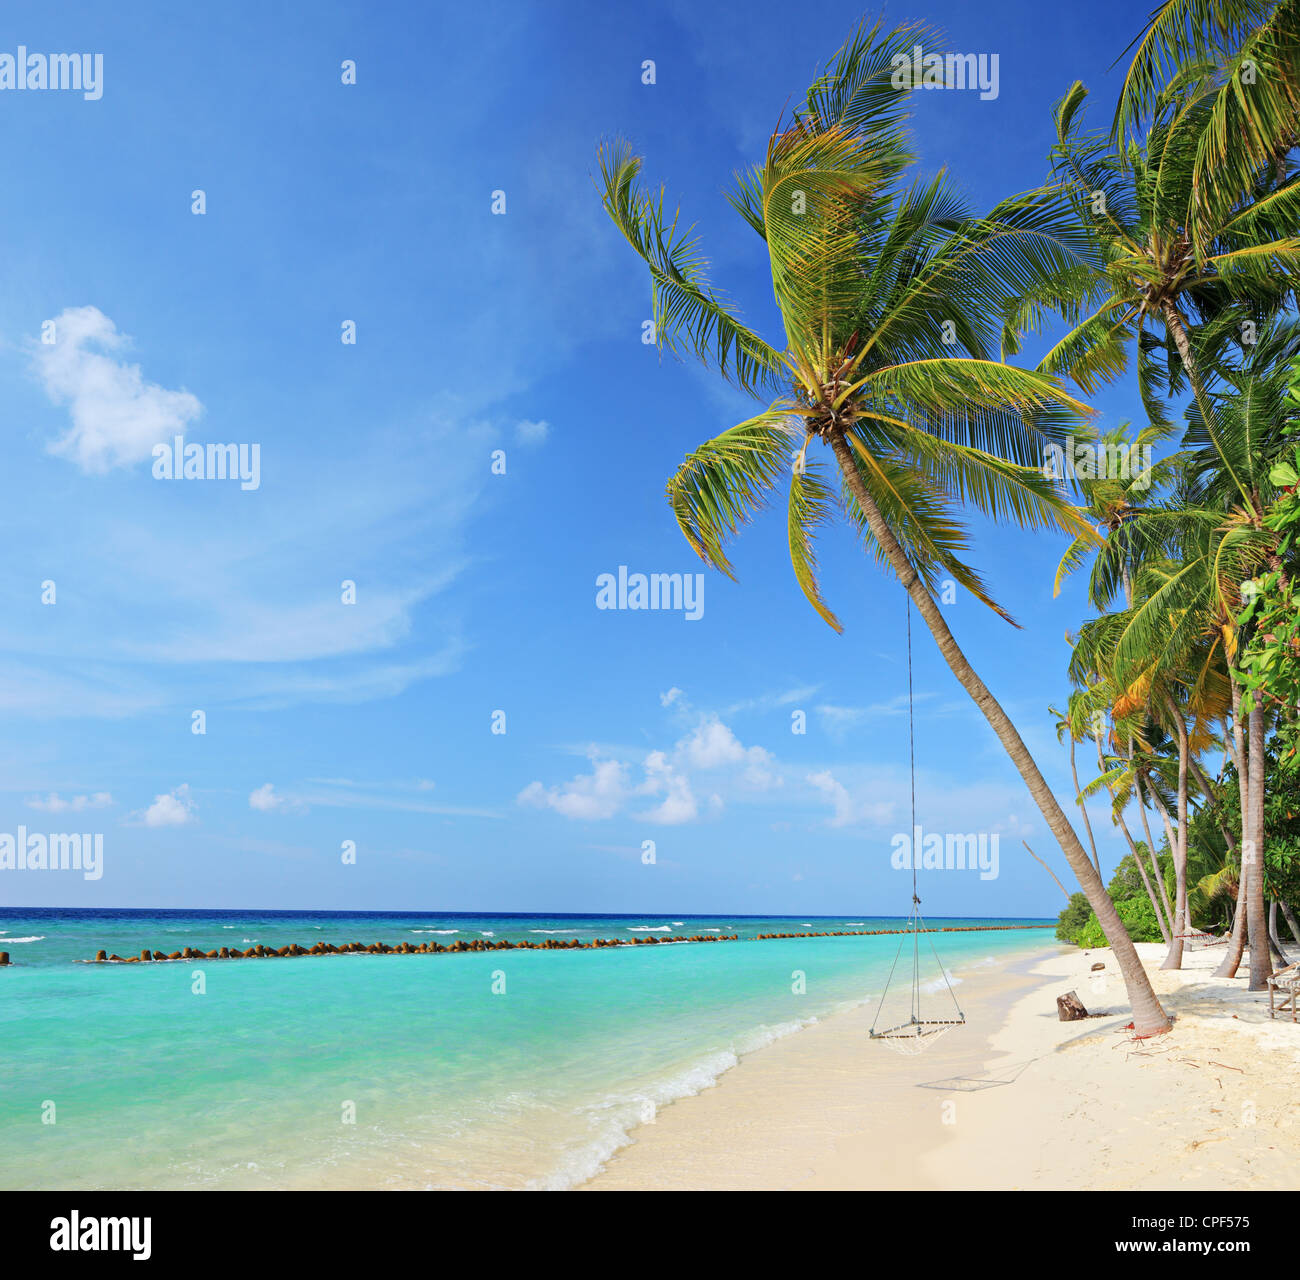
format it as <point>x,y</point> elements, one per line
<point>1230,468</point>
<point>1124,499</point>
<point>1238,61</point>
<point>1187,636</point>
<point>894,298</point>
<point>1186,264</point>
<point>1116,777</point>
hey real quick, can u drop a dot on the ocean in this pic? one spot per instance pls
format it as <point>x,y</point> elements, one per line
<point>518,1069</point>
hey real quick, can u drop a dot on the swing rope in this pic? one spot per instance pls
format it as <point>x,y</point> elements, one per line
<point>915,1026</point>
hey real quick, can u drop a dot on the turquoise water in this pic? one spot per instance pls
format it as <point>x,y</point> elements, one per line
<point>414,1071</point>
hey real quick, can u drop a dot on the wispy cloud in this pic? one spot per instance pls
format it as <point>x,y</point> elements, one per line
<point>55,803</point>
<point>772,701</point>
<point>528,432</point>
<point>343,793</point>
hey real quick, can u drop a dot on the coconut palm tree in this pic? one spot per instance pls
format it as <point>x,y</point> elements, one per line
<point>1187,269</point>
<point>1089,708</point>
<point>1165,656</point>
<point>1130,498</point>
<point>1124,492</point>
<point>895,299</point>
<point>1222,79</point>
<point>1230,466</point>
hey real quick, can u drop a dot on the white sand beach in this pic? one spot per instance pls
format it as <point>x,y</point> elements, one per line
<point>1015,1100</point>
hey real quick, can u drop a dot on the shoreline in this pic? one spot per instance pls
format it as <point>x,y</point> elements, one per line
<point>1015,1100</point>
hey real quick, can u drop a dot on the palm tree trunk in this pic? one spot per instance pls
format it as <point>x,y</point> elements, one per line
<point>1137,856</point>
<point>1289,915</point>
<point>1253,853</point>
<point>1174,960</point>
<point>1164,917</point>
<point>1272,934</point>
<point>1171,836</point>
<point>1177,328</point>
<point>1146,827</point>
<point>1148,1017</point>
<point>1083,808</point>
<point>1146,880</point>
<point>1231,961</point>
<point>1204,782</point>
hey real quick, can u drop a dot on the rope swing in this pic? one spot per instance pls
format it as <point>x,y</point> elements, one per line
<point>918,1031</point>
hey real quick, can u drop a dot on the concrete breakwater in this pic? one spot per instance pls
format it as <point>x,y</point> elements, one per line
<point>261,952</point>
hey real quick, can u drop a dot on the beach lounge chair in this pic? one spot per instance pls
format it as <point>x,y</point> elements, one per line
<point>1284,988</point>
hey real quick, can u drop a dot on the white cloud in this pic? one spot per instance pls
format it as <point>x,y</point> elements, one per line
<point>117,417</point>
<point>661,778</point>
<point>55,803</point>
<point>712,745</point>
<point>666,779</point>
<point>667,699</point>
<point>173,809</point>
<point>265,799</point>
<point>598,794</point>
<point>849,810</point>
<point>528,432</point>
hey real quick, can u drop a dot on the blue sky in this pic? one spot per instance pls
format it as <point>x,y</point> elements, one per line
<point>475,592</point>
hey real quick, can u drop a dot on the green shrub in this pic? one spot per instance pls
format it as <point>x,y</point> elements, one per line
<point>1073,918</point>
<point>1137,915</point>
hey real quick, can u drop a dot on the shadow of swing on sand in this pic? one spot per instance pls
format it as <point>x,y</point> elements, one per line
<point>971,1084</point>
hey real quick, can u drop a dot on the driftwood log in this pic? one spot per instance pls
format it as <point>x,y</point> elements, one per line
<point>1069,1008</point>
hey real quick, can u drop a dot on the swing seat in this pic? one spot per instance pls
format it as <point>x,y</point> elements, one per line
<point>916,1032</point>
<point>914,1037</point>
<point>919,1027</point>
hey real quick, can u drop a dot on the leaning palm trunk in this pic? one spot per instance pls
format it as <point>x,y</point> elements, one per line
<point>1229,839</point>
<point>1146,882</point>
<point>1146,828</point>
<point>1148,1016</point>
<point>1171,838</point>
<point>1253,854</point>
<point>1290,919</point>
<point>1174,960</point>
<point>1231,961</point>
<point>1177,328</point>
<point>1272,934</point>
<point>1161,919</point>
<point>1083,808</point>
